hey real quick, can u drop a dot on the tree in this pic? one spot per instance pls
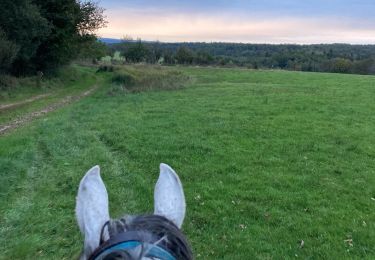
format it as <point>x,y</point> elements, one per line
<point>137,52</point>
<point>366,66</point>
<point>281,59</point>
<point>8,53</point>
<point>169,58</point>
<point>23,24</point>
<point>91,18</point>
<point>49,33</point>
<point>72,22</point>
<point>91,48</point>
<point>184,55</point>
<point>344,58</point>
<point>341,65</point>
<point>203,58</point>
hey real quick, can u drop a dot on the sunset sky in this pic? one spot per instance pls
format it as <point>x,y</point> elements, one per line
<point>267,21</point>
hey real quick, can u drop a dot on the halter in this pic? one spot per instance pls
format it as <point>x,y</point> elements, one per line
<point>127,241</point>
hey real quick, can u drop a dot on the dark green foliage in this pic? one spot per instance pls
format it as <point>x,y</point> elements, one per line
<point>154,54</point>
<point>123,78</point>
<point>8,52</point>
<point>6,81</point>
<point>184,55</point>
<point>90,48</point>
<point>366,66</point>
<point>25,26</point>
<point>105,68</point>
<point>136,52</point>
<point>49,33</point>
<point>338,65</point>
<point>203,58</point>
<point>340,58</point>
<point>61,45</point>
<point>169,58</point>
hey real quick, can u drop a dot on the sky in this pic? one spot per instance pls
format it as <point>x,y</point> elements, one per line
<point>267,21</point>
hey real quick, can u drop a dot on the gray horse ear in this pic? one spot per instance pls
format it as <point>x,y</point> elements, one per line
<point>169,198</point>
<point>91,209</point>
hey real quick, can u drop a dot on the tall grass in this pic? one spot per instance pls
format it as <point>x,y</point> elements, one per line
<point>147,78</point>
<point>14,88</point>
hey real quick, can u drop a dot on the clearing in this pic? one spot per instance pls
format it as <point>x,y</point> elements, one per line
<point>268,159</point>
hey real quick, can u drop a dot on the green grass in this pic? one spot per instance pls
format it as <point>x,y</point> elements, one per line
<point>267,159</point>
<point>142,78</point>
<point>22,88</point>
<point>69,81</point>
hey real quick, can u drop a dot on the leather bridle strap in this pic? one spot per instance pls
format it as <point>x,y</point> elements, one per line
<point>126,241</point>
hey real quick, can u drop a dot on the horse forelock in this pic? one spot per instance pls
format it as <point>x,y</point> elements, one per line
<point>153,229</point>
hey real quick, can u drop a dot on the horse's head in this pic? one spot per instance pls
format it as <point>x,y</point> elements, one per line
<point>155,236</point>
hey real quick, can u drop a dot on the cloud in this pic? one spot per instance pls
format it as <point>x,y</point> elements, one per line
<point>154,24</point>
<point>360,9</point>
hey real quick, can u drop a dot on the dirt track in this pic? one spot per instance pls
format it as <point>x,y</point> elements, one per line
<point>4,128</point>
<point>23,102</point>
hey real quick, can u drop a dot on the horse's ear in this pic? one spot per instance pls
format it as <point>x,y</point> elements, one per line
<point>169,196</point>
<point>92,208</point>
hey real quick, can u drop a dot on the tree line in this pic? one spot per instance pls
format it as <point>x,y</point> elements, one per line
<point>42,35</point>
<point>340,58</point>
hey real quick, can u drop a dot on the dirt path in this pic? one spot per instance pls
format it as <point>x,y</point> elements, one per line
<point>4,128</point>
<point>23,102</point>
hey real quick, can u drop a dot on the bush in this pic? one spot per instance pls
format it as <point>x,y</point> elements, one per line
<point>7,81</point>
<point>105,68</point>
<point>145,78</point>
<point>124,79</point>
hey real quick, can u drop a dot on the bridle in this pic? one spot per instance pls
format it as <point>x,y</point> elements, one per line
<point>130,240</point>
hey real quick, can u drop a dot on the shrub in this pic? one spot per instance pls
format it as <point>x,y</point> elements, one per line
<point>105,68</point>
<point>7,81</point>
<point>145,78</point>
<point>124,79</point>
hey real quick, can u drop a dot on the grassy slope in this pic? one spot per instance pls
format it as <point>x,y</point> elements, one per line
<point>266,158</point>
<point>70,81</point>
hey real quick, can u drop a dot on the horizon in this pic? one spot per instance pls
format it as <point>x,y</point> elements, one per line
<point>228,42</point>
<point>240,21</point>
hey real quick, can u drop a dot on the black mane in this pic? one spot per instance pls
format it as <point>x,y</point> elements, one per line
<point>152,229</point>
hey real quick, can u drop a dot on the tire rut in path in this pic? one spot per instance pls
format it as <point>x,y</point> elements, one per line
<point>6,127</point>
<point>20,103</point>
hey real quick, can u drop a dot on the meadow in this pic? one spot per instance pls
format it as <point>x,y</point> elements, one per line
<point>274,164</point>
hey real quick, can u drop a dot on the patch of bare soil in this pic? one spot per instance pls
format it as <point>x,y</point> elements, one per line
<point>23,102</point>
<point>4,128</point>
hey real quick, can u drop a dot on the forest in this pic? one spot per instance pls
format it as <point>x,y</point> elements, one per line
<point>39,36</point>
<point>337,58</point>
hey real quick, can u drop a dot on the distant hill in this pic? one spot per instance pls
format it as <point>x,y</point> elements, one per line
<point>109,40</point>
<point>340,58</point>
<point>115,41</point>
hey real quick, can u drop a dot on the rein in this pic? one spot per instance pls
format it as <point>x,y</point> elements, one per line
<point>125,241</point>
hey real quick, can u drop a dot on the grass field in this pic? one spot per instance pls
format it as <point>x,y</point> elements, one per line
<point>267,159</point>
<point>70,81</point>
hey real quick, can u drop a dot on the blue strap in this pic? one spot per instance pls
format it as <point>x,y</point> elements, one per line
<point>155,251</point>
